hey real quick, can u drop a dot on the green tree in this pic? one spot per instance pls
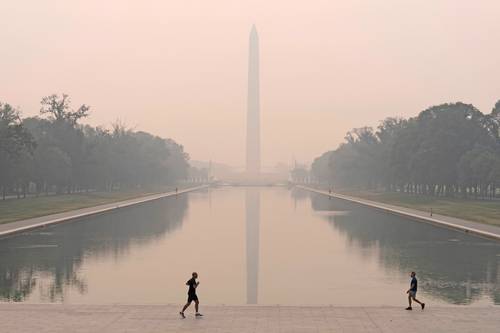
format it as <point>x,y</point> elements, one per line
<point>447,149</point>
<point>16,146</point>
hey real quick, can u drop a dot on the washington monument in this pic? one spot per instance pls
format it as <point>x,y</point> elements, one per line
<point>253,108</point>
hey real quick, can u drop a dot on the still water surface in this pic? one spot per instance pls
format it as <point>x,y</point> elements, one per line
<point>250,246</point>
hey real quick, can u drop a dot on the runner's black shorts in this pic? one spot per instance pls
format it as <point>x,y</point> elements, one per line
<point>192,298</point>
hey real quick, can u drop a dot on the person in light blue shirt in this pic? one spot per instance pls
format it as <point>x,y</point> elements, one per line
<point>412,292</point>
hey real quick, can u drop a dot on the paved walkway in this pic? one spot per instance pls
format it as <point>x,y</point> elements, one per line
<point>480,229</point>
<point>55,318</point>
<point>37,222</point>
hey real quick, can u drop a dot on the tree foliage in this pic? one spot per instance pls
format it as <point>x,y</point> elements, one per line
<point>16,147</point>
<point>448,149</point>
<point>55,153</point>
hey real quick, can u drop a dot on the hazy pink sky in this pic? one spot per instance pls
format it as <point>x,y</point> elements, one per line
<point>179,68</point>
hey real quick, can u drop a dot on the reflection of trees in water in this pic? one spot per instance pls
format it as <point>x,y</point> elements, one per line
<point>56,253</point>
<point>451,265</point>
<point>298,194</point>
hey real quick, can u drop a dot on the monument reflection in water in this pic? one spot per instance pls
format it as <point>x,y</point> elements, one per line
<point>252,210</point>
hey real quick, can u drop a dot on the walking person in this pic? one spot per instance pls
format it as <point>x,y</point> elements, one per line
<point>193,284</point>
<point>412,292</point>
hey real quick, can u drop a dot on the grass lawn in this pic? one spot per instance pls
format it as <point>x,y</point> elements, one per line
<point>20,209</point>
<point>483,211</point>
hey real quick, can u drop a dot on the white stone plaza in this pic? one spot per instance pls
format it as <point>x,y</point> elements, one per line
<point>59,318</point>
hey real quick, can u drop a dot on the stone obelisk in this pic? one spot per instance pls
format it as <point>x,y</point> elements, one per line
<point>253,108</point>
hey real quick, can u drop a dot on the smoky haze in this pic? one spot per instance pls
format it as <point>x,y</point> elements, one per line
<point>178,69</point>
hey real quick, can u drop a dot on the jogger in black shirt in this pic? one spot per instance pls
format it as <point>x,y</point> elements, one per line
<point>193,284</point>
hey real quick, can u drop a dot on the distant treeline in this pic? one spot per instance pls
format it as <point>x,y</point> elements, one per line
<point>53,153</point>
<point>447,150</point>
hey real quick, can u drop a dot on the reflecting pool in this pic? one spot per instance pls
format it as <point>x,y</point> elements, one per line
<point>250,245</point>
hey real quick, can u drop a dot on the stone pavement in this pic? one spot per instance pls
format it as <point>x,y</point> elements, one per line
<point>37,222</point>
<point>479,229</point>
<point>55,318</point>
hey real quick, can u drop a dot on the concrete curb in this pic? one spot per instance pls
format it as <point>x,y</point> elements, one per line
<point>98,210</point>
<point>402,212</point>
